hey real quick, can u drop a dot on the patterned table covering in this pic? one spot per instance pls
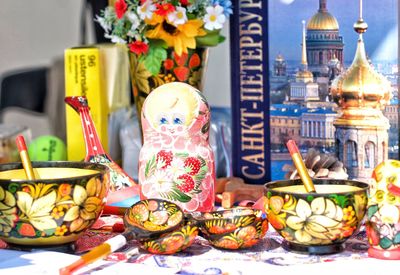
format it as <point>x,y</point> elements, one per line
<point>202,258</point>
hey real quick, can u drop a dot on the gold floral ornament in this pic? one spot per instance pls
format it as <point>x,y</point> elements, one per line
<point>8,211</point>
<point>86,205</point>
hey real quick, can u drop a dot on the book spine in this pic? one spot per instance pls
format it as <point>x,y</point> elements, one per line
<point>250,91</point>
<point>83,77</point>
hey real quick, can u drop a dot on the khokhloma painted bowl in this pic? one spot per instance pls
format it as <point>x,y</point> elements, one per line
<point>57,207</point>
<point>233,228</point>
<point>160,226</point>
<point>316,223</point>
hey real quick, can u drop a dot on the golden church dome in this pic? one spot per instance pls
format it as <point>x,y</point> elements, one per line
<point>279,58</point>
<point>304,76</point>
<point>361,86</point>
<point>323,20</point>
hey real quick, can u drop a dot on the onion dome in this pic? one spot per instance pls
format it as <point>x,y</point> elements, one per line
<point>361,85</point>
<point>360,91</point>
<point>279,58</point>
<point>322,20</point>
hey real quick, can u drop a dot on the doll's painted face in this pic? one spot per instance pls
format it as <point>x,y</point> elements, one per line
<point>172,111</point>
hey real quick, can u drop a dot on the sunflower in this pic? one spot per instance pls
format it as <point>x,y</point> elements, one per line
<point>180,37</point>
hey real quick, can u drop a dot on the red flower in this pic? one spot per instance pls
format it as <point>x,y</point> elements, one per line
<point>168,64</point>
<point>185,183</point>
<point>165,158</point>
<point>120,8</point>
<point>182,73</point>
<point>64,189</point>
<point>164,9</point>
<point>192,165</point>
<point>194,61</point>
<point>180,59</point>
<point>139,47</point>
<point>27,230</point>
<point>184,2</point>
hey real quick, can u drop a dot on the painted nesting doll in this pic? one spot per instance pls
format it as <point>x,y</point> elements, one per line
<point>383,225</point>
<point>176,161</point>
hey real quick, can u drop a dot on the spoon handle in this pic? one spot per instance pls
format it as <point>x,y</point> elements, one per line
<point>26,162</point>
<point>99,252</point>
<point>300,166</point>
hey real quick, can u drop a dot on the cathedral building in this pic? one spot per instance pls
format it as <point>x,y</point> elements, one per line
<point>324,42</point>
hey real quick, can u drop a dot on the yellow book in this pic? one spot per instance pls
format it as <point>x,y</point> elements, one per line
<point>84,76</point>
<point>115,61</point>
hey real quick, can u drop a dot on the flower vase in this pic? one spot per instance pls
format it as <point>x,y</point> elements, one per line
<point>188,68</point>
<point>383,225</point>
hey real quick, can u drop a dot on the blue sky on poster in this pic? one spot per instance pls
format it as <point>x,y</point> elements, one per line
<point>381,39</point>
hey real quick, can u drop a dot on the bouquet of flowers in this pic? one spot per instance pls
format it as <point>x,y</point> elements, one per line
<point>149,27</point>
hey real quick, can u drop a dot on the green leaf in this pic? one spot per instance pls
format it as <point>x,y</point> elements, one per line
<point>340,200</point>
<point>50,232</point>
<point>150,166</point>
<point>158,43</point>
<point>176,195</point>
<point>182,155</point>
<point>152,61</point>
<point>310,198</point>
<point>372,210</point>
<point>209,40</point>
<point>385,243</point>
<point>181,196</point>
<point>396,239</point>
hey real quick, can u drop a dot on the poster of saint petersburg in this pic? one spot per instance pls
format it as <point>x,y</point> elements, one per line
<point>333,85</point>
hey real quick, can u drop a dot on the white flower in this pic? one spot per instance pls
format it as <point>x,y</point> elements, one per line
<point>132,17</point>
<point>103,23</point>
<point>389,213</point>
<point>178,17</point>
<point>177,166</point>
<point>115,38</point>
<point>161,180</point>
<point>215,18</point>
<point>146,10</point>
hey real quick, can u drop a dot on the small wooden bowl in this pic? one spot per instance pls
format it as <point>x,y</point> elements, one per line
<point>234,228</point>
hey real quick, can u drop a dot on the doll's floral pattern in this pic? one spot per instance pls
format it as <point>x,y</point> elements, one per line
<point>178,176</point>
<point>383,225</point>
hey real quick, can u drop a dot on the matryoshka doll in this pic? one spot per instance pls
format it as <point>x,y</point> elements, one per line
<point>176,161</point>
<point>383,225</point>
